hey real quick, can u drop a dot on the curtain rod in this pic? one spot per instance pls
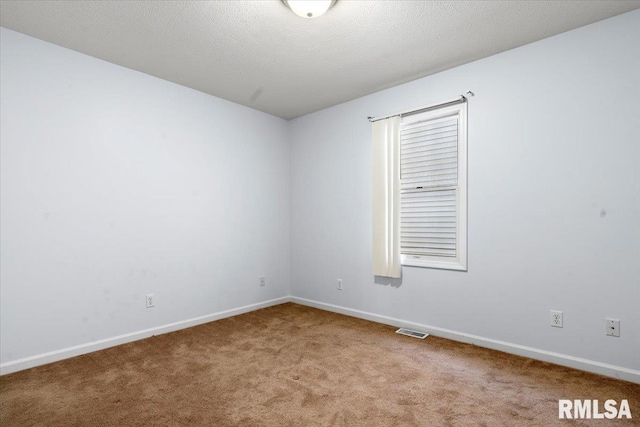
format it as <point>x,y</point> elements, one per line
<point>458,100</point>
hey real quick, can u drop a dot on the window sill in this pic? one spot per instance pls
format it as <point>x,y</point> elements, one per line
<point>430,262</point>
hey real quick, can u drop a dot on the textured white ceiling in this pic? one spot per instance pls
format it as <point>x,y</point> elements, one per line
<point>259,54</point>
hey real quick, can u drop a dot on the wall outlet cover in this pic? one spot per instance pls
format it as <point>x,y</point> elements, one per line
<point>556,319</point>
<point>613,327</point>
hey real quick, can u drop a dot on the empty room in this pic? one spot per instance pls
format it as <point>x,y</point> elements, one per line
<point>319,213</point>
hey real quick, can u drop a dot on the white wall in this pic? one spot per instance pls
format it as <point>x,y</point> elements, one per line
<point>115,184</point>
<point>554,199</point>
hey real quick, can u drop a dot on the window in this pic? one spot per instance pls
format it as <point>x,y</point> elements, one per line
<point>433,188</point>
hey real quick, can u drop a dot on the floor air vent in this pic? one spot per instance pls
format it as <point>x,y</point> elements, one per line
<point>412,333</point>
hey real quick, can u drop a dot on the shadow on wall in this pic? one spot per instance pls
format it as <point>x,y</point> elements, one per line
<point>387,281</point>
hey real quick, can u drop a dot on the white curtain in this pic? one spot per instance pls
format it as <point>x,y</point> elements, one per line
<point>386,197</point>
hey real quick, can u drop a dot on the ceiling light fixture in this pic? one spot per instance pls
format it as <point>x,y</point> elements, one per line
<point>309,8</point>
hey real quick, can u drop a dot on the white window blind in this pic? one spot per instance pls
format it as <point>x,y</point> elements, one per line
<point>433,188</point>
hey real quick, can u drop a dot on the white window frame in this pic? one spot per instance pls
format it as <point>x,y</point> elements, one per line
<point>459,262</point>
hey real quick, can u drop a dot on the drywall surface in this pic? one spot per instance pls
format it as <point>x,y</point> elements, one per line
<point>553,192</point>
<point>116,184</point>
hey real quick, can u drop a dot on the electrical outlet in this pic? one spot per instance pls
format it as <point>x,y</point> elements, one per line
<point>556,319</point>
<point>263,281</point>
<point>150,300</point>
<point>339,284</point>
<point>613,327</point>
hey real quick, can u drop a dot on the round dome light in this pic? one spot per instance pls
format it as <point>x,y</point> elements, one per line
<point>309,8</point>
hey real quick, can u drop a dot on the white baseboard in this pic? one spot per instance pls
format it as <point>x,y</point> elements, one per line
<point>519,350</point>
<point>530,352</point>
<point>66,353</point>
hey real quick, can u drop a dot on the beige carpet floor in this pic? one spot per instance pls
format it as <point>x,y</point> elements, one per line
<point>291,365</point>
